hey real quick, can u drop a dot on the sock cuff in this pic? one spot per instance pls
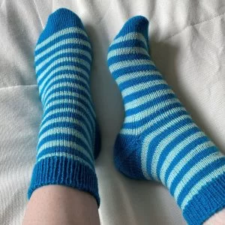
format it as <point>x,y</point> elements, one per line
<point>209,200</point>
<point>66,172</point>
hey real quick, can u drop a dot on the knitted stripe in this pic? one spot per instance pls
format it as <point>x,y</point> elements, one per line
<point>159,140</point>
<point>65,150</point>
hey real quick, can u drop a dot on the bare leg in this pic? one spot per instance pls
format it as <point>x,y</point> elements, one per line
<point>57,205</point>
<point>217,219</point>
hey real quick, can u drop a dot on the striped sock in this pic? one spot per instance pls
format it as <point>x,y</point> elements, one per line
<point>159,140</point>
<point>65,154</point>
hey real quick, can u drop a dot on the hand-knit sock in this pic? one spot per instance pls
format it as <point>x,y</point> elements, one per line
<point>67,135</point>
<point>159,140</point>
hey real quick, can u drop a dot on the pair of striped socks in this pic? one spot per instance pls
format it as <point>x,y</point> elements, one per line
<point>158,140</point>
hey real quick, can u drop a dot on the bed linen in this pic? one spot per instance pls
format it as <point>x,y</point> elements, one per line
<point>187,44</point>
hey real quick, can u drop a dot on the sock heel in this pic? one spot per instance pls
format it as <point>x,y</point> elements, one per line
<point>127,155</point>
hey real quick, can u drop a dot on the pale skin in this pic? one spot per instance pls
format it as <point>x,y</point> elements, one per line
<point>217,219</point>
<point>57,205</point>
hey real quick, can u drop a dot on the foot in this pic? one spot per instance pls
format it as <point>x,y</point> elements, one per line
<point>159,140</point>
<point>67,135</point>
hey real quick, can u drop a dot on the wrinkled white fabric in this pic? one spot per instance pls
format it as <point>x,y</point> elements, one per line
<point>187,45</point>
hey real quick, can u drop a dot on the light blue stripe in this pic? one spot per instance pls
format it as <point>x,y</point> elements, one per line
<point>72,77</point>
<point>130,36</point>
<point>165,142</point>
<point>147,141</point>
<point>61,69</point>
<point>152,122</point>
<point>70,30</point>
<point>142,100</point>
<point>204,181</point>
<point>75,103</point>
<point>127,50</point>
<point>194,170</point>
<point>70,120</point>
<point>65,85</point>
<point>187,158</point>
<point>63,42</point>
<point>139,74</point>
<point>63,143</point>
<point>63,51</point>
<point>174,152</point>
<point>140,87</point>
<point>63,60</point>
<point>71,94</point>
<point>68,110</point>
<point>65,130</point>
<point>135,62</point>
<point>69,156</point>
<point>149,111</point>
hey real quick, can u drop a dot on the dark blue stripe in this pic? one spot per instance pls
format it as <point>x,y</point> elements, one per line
<point>61,38</point>
<point>63,137</point>
<point>201,174</point>
<point>65,114</point>
<point>188,166</point>
<point>69,63</point>
<point>66,125</point>
<point>66,72</point>
<point>146,92</point>
<point>62,47</point>
<point>67,106</point>
<point>178,125</point>
<point>63,97</point>
<point>127,44</point>
<point>152,103</point>
<point>53,25</point>
<point>158,138</point>
<point>126,57</point>
<point>142,79</point>
<point>133,69</point>
<point>183,153</point>
<point>152,116</point>
<point>64,149</point>
<point>65,89</point>
<point>137,68</point>
<point>68,56</point>
<point>73,81</point>
<point>170,147</point>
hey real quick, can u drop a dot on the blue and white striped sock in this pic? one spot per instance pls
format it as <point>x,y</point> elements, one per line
<point>67,135</point>
<point>159,140</point>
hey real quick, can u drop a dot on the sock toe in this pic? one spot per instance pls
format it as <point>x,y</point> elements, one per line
<point>135,24</point>
<point>59,20</point>
<point>131,40</point>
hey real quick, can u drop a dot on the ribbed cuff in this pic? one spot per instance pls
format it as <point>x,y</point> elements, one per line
<point>210,200</point>
<point>66,172</point>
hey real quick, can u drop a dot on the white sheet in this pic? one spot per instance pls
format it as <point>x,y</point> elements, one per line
<point>187,39</point>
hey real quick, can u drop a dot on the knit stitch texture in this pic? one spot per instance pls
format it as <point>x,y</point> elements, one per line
<point>159,140</point>
<point>68,138</point>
